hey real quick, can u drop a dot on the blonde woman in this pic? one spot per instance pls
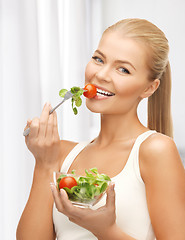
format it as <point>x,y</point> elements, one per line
<point>147,199</point>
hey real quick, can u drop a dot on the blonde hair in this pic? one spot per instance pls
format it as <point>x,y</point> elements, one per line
<point>159,103</point>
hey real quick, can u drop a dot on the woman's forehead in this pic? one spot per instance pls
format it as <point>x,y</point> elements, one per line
<point>117,47</point>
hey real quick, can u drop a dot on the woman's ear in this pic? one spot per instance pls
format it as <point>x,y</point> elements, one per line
<point>151,88</point>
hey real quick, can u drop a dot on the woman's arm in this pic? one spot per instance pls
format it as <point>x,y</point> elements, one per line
<point>49,151</point>
<point>164,177</point>
<point>36,220</point>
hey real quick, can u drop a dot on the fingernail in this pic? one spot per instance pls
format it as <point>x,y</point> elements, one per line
<point>52,185</point>
<point>62,191</point>
<point>28,122</point>
<point>46,104</point>
<point>113,186</point>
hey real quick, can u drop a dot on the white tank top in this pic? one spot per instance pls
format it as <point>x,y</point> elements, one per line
<point>131,206</point>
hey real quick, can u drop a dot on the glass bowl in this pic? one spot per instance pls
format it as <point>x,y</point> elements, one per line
<point>83,191</point>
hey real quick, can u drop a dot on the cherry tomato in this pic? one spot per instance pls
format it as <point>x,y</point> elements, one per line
<point>91,91</point>
<point>68,182</point>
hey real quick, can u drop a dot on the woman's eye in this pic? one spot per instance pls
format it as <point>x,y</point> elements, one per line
<point>97,59</point>
<point>123,70</point>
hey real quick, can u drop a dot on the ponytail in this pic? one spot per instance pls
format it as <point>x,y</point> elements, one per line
<point>159,106</point>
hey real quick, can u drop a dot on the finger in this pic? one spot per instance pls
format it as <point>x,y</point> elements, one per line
<point>34,128</point>
<point>49,130</point>
<point>44,120</point>
<point>28,124</point>
<point>55,126</point>
<point>110,201</point>
<point>56,196</point>
<point>68,208</point>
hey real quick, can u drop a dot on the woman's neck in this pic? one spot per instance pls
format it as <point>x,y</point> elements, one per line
<point>118,128</point>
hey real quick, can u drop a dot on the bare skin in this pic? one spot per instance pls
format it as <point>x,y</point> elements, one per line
<point>160,165</point>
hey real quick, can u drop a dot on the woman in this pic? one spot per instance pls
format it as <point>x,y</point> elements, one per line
<point>148,201</point>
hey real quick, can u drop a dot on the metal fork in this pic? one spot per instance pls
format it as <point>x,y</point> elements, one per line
<point>67,96</point>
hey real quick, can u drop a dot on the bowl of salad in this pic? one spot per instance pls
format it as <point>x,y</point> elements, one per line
<point>84,191</point>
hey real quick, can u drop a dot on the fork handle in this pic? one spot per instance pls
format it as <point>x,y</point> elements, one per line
<point>56,106</point>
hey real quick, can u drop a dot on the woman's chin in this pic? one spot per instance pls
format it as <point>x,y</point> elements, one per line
<point>93,107</point>
<point>96,108</point>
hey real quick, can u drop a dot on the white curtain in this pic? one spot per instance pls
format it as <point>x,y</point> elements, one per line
<point>44,46</point>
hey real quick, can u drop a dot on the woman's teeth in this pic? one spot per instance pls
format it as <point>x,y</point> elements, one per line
<point>105,93</point>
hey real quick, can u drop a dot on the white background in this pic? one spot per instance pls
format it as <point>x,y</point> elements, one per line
<point>44,46</point>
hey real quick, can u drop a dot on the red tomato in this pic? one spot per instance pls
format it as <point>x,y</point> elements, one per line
<point>68,182</point>
<point>91,91</point>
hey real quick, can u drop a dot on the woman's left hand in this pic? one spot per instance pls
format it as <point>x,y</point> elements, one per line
<point>96,221</point>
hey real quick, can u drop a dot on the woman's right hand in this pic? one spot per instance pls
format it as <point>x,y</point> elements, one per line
<point>43,140</point>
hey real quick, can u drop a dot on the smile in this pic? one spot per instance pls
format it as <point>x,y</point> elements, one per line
<point>105,93</point>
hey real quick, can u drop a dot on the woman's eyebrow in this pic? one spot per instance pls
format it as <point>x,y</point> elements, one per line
<point>98,51</point>
<point>126,62</point>
<point>117,61</point>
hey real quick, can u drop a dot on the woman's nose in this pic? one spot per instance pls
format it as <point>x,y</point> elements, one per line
<point>103,74</point>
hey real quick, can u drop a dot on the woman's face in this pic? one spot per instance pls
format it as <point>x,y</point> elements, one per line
<point>118,66</point>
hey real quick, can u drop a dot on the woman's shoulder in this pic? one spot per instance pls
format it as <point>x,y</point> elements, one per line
<point>157,143</point>
<point>158,152</point>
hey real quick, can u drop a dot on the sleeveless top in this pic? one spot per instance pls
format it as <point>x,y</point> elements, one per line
<point>132,214</point>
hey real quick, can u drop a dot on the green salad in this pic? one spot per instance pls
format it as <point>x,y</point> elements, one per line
<point>84,189</point>
<point>89,91</point>
<point>76,98</point>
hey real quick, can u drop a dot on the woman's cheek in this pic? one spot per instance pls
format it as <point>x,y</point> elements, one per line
<point>128,86</point>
